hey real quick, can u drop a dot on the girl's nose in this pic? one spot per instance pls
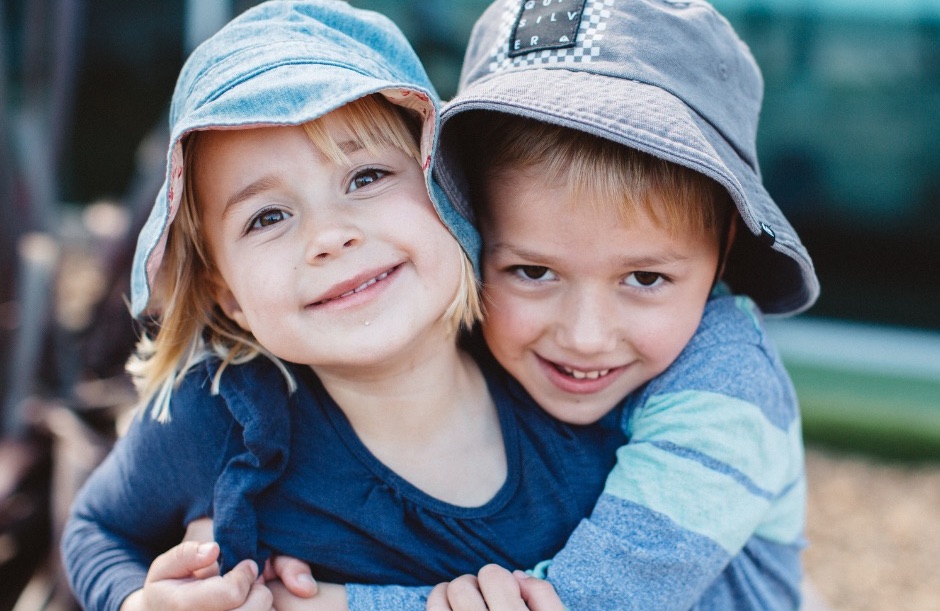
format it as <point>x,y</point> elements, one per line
<point>330,237</point>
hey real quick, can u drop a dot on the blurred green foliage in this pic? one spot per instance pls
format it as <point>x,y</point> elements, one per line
<point>884,415</point>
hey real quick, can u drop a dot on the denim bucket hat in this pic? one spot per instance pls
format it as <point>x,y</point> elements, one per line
<point>670,78</point>
<point>285,63</point>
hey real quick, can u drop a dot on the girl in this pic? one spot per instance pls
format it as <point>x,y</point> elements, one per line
<point>304,385</point>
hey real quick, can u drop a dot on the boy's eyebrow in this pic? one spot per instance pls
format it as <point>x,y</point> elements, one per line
<point>541,257</point>
<point>517,251</point>
<point>650,261</point>
<point>254,188</point>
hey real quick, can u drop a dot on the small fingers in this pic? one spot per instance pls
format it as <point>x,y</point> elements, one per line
<point>211,594</point>
<point>538,594</point>
<point>240,579</point>
<point>463,594</point>
<point>259,598</point>
<point>183,561</point>
<point>294,574</point>
<point>437,599</point>
<point>500,589</point>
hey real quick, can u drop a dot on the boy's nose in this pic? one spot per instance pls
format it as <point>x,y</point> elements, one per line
<point>587,325</point>
<point>328,238</point>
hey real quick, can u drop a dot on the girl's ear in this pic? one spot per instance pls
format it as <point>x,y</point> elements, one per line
<point>226,300</point>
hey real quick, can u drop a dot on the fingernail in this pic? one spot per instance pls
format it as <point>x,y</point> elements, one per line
<point>204,549</point>
<point>521,574</point>
<point>306,578</point>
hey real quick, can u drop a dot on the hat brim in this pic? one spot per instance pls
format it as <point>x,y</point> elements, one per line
<point>780,277</point>
<point>289,94</point>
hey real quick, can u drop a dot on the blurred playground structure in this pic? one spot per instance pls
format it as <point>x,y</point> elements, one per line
<point>848,147</point>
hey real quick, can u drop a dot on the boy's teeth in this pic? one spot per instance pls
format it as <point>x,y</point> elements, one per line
<point>585,375</point>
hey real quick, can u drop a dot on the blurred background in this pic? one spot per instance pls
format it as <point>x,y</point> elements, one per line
<point>848,147</point>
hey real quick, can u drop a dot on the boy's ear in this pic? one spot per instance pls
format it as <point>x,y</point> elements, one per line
<point>226,300</point>
<point>732,232</point>
<point>726,245</point>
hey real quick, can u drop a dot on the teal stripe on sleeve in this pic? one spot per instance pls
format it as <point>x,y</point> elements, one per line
<point>786,520</point>
<point>734,435</point>
<point>714,465</point>
<point>697,498</point>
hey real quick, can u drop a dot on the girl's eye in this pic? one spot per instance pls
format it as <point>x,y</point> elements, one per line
<point>533,272</point>
<point>366,178</point>
<point>645,280</point>
<point>266,218</point>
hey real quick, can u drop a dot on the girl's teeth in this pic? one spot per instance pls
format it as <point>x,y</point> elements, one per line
<point>365,285</point>
<point>586,375</point>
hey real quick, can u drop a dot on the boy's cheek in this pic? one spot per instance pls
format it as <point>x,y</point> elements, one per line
<point>506,308</point>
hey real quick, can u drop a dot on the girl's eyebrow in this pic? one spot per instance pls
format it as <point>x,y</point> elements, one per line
<point>350,146</point>
<point>261,185</point>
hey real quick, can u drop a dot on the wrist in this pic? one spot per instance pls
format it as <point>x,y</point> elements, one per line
<point>134,602</point>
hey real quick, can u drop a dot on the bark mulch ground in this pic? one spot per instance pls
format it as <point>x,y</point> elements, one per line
<point>874,532</point>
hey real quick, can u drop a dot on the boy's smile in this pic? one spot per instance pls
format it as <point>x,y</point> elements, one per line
<point>327,264</point>
<point>583,306</point>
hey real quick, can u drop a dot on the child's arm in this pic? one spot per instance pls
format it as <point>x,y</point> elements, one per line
<point>714,462</point>
<point>134,505</point>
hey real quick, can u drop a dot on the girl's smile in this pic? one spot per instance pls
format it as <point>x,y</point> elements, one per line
<point>363,290</point>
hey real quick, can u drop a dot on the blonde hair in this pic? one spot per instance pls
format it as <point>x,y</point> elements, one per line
<point>598,171</point>
<point>190,326</point>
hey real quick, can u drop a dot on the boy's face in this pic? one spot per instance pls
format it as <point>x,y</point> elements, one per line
<point>334,265</point>
<point>583,307</point>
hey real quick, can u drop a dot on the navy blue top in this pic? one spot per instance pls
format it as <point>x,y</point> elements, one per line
<point>287,473</point>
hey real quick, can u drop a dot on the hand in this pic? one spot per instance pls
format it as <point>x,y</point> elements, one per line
<point>172,583</point>
<point>200,530</point>
<point>496,589</point>
<point>330,597</point>
<point>294,574</point>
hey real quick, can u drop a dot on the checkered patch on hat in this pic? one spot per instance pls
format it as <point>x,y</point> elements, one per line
<point>540,32</point>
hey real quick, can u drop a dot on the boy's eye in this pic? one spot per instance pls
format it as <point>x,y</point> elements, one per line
<point>266,218</point>
<point>534,272</point>
<point>645,279</point>
<point>366,178</point>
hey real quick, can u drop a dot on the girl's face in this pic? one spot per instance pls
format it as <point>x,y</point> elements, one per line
<point>582,307</point>
<point>330,265</point>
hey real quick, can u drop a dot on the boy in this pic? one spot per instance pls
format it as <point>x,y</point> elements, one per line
<point>607,151</point>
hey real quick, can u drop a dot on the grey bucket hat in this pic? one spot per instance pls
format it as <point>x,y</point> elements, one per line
<point>666,77</point>
<point>284,63</point>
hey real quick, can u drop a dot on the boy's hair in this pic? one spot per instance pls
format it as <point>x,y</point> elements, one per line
<point>596,171</point>
<point>669,78</point>
<point>191,326</point>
